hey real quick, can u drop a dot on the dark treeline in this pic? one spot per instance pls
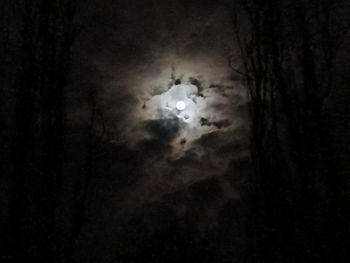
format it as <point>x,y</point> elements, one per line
<point>299,206</point>
<point>35,58</point>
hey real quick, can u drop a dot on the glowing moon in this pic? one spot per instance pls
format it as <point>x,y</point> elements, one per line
<point>180,105</point>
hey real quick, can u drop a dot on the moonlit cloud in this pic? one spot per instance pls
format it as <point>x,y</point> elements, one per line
<point>138,92</point>
<point>186,146</point>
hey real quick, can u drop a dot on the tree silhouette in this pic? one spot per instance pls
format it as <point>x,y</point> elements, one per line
<point>288,50</point>
<point>46,36</point>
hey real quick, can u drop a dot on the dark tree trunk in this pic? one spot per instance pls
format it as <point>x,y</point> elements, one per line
<point>292,217</point>
<point>37,148</point>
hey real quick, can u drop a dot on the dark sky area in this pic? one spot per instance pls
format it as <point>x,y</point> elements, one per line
<point>173,185</point>
<point>132,70</point>
<point>175,172</point>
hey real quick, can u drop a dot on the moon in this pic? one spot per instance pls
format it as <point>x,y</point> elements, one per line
<point>180,105</point>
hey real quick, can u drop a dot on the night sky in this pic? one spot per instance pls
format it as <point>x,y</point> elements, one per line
<point>167,168</point>
<point>174,131</point>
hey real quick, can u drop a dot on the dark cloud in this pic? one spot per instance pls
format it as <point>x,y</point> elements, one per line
<point>218,124</point>
<point>169,179</point>
<point>213,140</point>
<point>188,158</point>
<point>163,129</point>
<point>236,146</point>
<point>138,50</point>
<point>226,143</point>
<point>157,135</point>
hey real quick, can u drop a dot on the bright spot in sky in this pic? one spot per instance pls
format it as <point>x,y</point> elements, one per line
<point>180,105</point>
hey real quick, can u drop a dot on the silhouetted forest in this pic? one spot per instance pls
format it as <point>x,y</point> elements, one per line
<point>65,186</point>
<point>297,191</point>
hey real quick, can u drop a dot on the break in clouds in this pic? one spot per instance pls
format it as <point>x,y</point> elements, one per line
<point>138,92</point>
<point>180,146</point>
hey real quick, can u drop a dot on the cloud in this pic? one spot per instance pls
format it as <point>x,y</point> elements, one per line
<point>180,148</point>
<point>157,135</point>
<point>143,69</point>
<point>164,129</point>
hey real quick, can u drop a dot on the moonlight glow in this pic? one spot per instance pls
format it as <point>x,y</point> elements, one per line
<point>180,105</point>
